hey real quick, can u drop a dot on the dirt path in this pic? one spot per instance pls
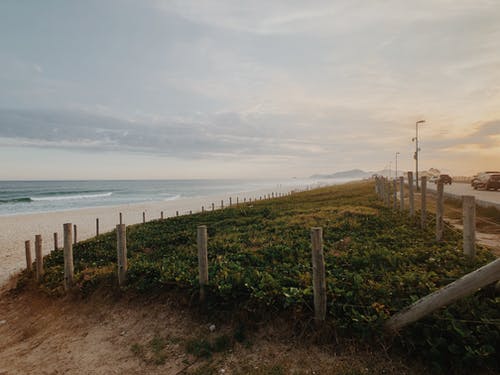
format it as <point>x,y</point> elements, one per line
<point>106,335</point>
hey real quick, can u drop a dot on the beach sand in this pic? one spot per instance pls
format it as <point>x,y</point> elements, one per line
<point>16,229</point>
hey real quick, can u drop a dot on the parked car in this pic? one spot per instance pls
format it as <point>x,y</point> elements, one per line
<point>480,180</point>
<point>489,181</point>
<point>445,178</point>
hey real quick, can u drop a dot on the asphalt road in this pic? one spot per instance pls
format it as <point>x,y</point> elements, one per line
<point>465,189</point>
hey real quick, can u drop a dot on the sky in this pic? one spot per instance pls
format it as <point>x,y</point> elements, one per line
<point>246,89</point>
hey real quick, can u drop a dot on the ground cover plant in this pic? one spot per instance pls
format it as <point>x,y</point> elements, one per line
<point>377,262</point>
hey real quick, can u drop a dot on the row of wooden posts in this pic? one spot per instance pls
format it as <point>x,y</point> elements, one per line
<point>464,286</point>
<point>387,190</point>
<point>70,232</point>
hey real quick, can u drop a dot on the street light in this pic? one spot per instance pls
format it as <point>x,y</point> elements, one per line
<point>397,153</point>
<point>416,149</point>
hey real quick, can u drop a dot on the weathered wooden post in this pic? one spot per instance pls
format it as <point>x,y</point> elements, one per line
<point>439,211</point>
<point>469,222</point>
<point>213,206</point>
<point>74,233</point>
<point>38,257</point>
<point>68,257</point>
<point>319,282</point>
<point>121,221</point>
<point>121,246</point>
<point>29,263</point>
<point>143,217</point>
<point>230,201</point>
<point>460,288</point>
<point>411,196</point>
<point>161,215</point>
<point>97,227</point>
<point>395,194</point>
<point>222,203</point>
<point>56,242</point>
<point>423,204</point>
<point>190,212</point>
<point>201,238</point>
<point>401,193</point>
<point>176,213</point>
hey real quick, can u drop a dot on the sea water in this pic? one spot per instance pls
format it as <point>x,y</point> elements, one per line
<point>17,197</point>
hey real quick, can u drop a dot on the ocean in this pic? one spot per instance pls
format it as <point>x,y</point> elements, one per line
<point>19,197</point>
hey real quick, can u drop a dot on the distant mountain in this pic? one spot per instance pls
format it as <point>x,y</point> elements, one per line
<point>353,173</point>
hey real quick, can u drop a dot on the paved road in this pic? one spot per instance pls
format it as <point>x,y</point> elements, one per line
<point>465,189</point>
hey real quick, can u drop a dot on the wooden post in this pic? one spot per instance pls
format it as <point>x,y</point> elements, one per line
<point>460,288</point>
<point>401,193</point>
<point>230,201</point>
<point>68,257</point>
<point>439,211</point>
<point>121,221</point>
<point>190,212</point>
<point>29,262</point>
<point>423,204</point>
<point>222,204</point>
<point>143,217</point>
<point>201,238</point>
<point>97,227</point>
<point>213,206</point>
<point>38,257</point>
<point>319,282</point>
<point>411,196</point>
<point>161,215</point>
<point>121,246</point>
<point>395,195</point>
<point>75,232</point>
<point>202,208</point>
<point>469,222</point>
<point>56,242</point>
<point>176,213</point>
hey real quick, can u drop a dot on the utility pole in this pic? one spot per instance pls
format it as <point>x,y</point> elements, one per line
<point>417,149</point>
<point>397,153</point>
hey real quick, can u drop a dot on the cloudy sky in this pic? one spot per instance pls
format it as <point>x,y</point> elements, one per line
<point>198,89</point>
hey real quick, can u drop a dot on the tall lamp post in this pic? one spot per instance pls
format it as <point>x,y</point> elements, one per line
<point>416,149</point>
<point>397,153</point>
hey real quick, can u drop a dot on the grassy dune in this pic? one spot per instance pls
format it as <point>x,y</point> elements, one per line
<point>377,262</point>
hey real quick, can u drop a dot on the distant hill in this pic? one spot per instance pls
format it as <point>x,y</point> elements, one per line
<point>353,173</point>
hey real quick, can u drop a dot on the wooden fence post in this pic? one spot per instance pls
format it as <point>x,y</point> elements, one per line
<point>439,211</point>
<point>401,193</point>
<point>423,204</point>
<point>176,213</point>
<point>201,237</point>
<point>213,206</point>
<point>97,227</point>
<point>395,194</point>
<point>38,257</point>
<point>143,217</point>
<point>469,222</point>
<point>411,196</point>
<point>121,221</point>
<point>29,263</point>
<point>460,288</point>
<point>74,233</point>
<point>222,204</point>
<point>68,257</point>
<point>161,215</point>
<point>121,246</point>
<point>319,282</point>
<point>56,242</point>
<point>230,201</point>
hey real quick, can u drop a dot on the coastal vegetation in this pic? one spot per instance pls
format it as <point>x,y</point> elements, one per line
<point>378,261</point>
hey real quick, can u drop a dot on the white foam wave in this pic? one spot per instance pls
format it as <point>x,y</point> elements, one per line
<point>71,197</point>
<point>172,198</point>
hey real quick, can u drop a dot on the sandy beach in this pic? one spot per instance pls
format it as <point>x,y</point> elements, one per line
<point>16,229</point>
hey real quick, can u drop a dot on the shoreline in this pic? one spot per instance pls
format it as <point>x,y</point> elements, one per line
<point>18,228</point>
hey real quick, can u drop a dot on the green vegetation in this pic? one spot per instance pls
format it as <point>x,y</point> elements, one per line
<point>377,262</point>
